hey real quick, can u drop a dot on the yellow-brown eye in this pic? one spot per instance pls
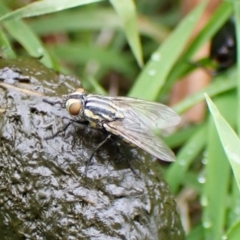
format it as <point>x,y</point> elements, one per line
<point>73,106</point>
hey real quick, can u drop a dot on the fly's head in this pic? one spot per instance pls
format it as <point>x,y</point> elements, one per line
<point>74,102</point>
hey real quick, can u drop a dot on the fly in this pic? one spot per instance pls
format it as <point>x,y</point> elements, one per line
<point>131,119</point>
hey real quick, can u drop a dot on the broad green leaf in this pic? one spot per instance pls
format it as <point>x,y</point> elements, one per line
<point>154,75</point>
<point>44,7</point>
<point>127,11</point>
<point>229,139</point>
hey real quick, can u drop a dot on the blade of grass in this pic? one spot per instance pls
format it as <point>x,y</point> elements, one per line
<point>233,214</point>
<point>219,17</point>
<point>44,7</point>
<point>127,11</point>
<point>6,49</point>
<point>81,53</point>
<point>234,232</point>
<point>196,233</point>
<point>97,19</point>
<point>178,138</point>
<point>221,83</point>
<point>24,35</point>
<point>153,76</point>
<point>185,157</point>
<point>98,89</point>
<point>192,180</point>
<point>228,137</point>
<point>237,24</point>
<point>217,171</point>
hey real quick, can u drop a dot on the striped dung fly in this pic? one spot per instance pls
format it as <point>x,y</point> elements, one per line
<point>131,119</point>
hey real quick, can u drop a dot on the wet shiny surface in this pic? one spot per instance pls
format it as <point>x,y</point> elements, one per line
<point>44,193</point>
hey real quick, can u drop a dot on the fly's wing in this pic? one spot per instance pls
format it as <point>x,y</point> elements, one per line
<point>135,131</point>
<point>153,115</point>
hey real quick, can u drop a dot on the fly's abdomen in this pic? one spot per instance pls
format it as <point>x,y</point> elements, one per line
<point>99,109</point>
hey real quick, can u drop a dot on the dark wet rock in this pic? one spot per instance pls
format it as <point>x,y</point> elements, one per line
<point>44,193</point>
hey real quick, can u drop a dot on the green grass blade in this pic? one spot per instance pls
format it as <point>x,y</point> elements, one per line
<point>217,170</point>
<point>229,139</point>
<point>97,19</point>
<point>6,49</point>
<point>25,36</point>
<point>234,232</point>
<point>182,135</point>
<point>185,157</point>
<point>233,213</point>
<point>196,233</point>
<point>44,7</point>
<point>82,53</point>
<point>221,83</point>
<point>127,11</point>
<point>98,89</point>
<point>219,17</point>
<point>153,76</point>
<point>237,26</point>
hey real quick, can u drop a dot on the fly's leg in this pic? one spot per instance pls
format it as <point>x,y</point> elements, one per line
<point>95,150</point>
<point>65,128</point>
<point>58,132</point>
<point>132,168</point>
<point>52,102</point>
<point>127,160</point>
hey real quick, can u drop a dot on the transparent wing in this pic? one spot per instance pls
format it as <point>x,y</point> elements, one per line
<point>154,115</point>
<point>134,131</point>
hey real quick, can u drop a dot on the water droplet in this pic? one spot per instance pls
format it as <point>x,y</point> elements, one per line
<point>224,237</point>
<point>182,162</point>
<point>237,210</point>
<point>204,161</point>
<point>156,57</point>
<point>201,178</point>
<point>40,50</point>
<point>207,224</point>
<point>152,72</point>
<point>204,201</point>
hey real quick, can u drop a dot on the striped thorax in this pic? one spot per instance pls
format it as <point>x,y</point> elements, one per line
<point>134,120</point>
<point>94,108</point>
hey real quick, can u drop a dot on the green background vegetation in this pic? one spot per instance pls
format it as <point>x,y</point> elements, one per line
<point>99,41</point>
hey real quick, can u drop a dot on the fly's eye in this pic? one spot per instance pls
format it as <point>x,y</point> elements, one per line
<point>73,106</point>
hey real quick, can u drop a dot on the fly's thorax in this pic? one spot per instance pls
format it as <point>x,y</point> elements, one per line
<point>101,109</point>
